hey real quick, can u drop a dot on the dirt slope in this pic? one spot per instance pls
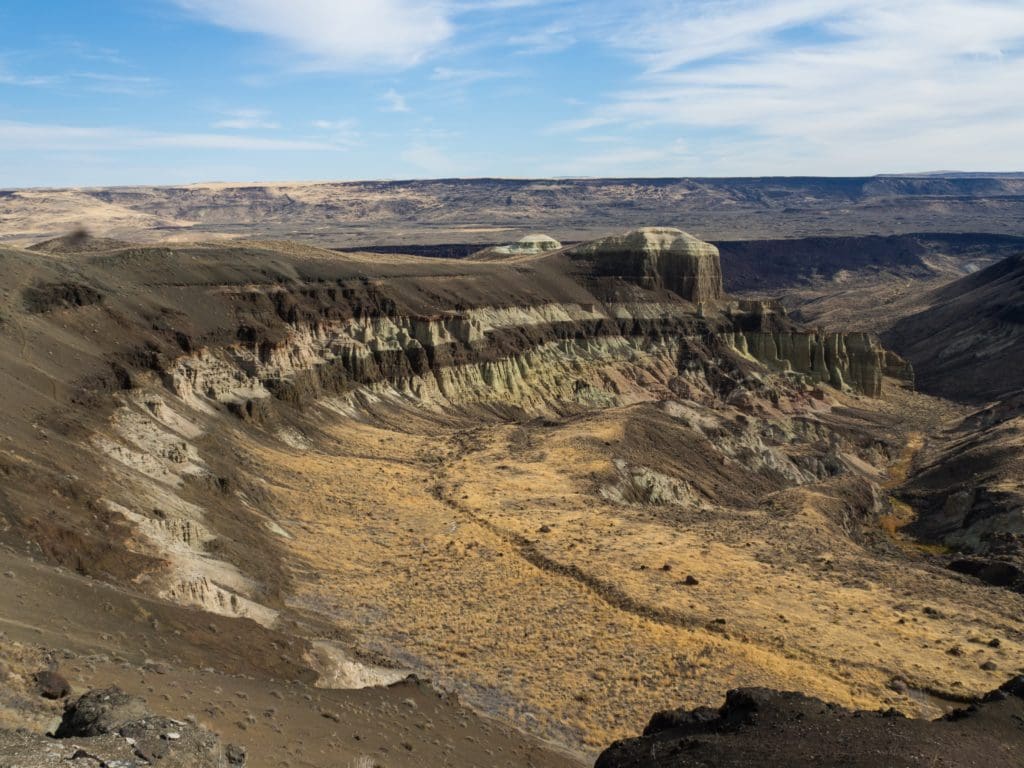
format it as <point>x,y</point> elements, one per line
<point>968,344</point>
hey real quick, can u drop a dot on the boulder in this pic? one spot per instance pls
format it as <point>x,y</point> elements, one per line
<point>100,712</point>
<point>51,685</point>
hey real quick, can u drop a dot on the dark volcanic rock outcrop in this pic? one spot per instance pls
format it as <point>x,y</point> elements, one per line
<point>969,494</point>
<point>771,729</point>
<point>656,257</point>
<point>111,728</point>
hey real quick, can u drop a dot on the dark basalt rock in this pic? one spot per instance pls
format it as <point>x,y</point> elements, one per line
<point>99,712</point>
<point>773,729</point>
<point>48,297</point>
<point>111,727</point>
<point>998,573</point>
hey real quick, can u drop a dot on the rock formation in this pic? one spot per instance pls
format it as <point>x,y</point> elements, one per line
<point>530,245</point>
<point>108,727</point>
<point>856,361</point>
<point>657,257</point>
<point>772,729</point>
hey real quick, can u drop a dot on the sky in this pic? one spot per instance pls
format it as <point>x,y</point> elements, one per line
<point>100,92</point>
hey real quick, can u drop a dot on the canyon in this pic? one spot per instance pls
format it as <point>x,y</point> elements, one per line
<point>568,485</point>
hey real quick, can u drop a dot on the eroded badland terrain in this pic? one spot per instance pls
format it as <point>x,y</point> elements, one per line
<point>260,483</point>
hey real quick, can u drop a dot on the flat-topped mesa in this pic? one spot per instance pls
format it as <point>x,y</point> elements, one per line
<point>528,246</point>
<point>657,257</point>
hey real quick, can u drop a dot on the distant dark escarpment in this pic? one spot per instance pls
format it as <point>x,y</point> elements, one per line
<point>483,211</point>
<point>766,265</point>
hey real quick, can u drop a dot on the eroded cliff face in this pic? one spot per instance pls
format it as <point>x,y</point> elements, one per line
<point>656,257</point>
<point>854,361</point>
<point>259,331</point>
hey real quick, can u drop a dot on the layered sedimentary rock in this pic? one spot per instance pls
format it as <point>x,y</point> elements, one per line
<point>260,331</point>
<point>528,246</point>
<point>656,257</point>
<point>857,361</point>
<point>270,429</point>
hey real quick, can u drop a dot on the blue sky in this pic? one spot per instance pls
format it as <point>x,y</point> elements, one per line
<point>98,92</point>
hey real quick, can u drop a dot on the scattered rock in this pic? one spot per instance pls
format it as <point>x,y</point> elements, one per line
<point>112,728</point>
<point>51,685</point>
<point>691,581</point>
<point>155,667</point>
<point>99,712</point>
<point>990,666</point>
<point>235,754</point>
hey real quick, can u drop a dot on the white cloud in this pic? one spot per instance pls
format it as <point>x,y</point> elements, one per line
<point>126,85</point>
<point>552,38</point>
<point>673,159</point>
<point>49,137</point>
<point>339,34</point>
<point>246,120</point>
<point>428,158</point>
<point>466,76</point>
<point>342,133</point>
<point>828,86</point>
<point>394,102</point>
<point>27,80</point>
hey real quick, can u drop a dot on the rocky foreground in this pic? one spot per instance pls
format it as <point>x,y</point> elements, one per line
<point>109,727</point>
<point>770,729</point>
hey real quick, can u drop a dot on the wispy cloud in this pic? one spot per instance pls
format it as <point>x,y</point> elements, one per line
<point>830,85</point>
<point>98,82</point>
<point>127,85</point>
<point>246,120</point>
<point>670,159</point>
<point>552,38</point>
<point>339,34</point>
<point>428,158</point>
<point>6,78</point>
<point>54,137</point>
<point>394,102</point>
<point>463,77</point>
<point>341,133</point>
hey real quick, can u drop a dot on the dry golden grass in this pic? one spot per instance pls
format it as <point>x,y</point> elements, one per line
<point>427,543</point>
